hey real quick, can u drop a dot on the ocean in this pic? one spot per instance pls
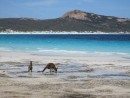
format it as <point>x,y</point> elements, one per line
<point>66,44</point>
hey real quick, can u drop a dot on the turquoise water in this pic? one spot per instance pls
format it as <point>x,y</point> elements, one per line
<point>50,44</point>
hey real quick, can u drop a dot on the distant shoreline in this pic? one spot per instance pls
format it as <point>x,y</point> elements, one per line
<point>64,32</point>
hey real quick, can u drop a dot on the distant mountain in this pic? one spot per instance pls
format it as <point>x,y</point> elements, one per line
<point>71,21</point>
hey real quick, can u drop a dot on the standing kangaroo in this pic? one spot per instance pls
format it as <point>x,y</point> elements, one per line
<point>50,66</point>
<point>30,67</point>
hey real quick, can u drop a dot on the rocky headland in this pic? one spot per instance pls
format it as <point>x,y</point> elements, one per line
<point>75,20</point>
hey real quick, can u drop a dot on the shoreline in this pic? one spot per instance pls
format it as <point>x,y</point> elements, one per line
<point>62,32</point>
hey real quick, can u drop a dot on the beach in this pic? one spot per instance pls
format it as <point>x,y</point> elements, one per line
<point>64,49</point>
<point>87,76</point>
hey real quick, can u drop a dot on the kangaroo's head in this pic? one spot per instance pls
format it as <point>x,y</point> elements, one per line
<point>56,68</point>
<point>30,63</point>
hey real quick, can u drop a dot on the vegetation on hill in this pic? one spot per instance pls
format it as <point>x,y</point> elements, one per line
<point>72,21</point>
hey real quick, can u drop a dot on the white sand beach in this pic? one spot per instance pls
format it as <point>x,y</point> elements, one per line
<point>87,76</point>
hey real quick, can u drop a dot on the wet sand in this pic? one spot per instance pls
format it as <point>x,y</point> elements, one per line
<point>86,76</point>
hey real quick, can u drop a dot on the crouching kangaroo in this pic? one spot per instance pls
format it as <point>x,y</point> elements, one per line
<point>30,67</point>
<point>50,66</point>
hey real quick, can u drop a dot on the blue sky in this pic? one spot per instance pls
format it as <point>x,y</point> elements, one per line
<point>46,9</point>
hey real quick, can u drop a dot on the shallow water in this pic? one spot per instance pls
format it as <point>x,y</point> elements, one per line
<point>69,71</point>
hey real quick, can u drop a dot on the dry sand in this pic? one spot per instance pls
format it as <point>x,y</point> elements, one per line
<point>90,76</point>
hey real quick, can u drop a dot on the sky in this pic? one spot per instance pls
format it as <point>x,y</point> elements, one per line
<point>49,9</point>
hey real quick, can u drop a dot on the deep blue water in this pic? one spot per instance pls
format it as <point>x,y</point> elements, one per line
<point>66,43</point>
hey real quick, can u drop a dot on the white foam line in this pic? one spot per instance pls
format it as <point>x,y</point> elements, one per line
<point>111,53</point>
<point>80,52</point>
<point>62,51</point>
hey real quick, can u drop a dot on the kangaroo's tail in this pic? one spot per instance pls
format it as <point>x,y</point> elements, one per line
<point>44,69</point>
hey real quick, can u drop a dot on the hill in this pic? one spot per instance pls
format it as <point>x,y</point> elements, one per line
<point>71,21</point>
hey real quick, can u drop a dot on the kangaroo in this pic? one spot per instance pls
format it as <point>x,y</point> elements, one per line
<point>50,66</point>
<point>30,67</point>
